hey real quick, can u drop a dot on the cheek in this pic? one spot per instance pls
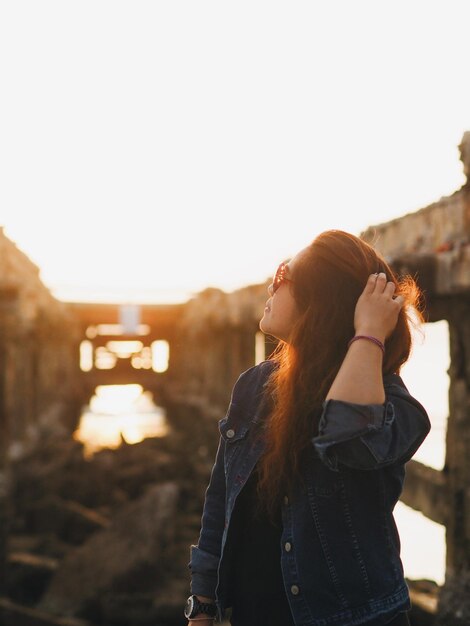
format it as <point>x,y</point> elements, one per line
<point>294,311</point>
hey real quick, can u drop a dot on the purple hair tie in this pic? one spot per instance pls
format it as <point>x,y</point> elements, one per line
<point>373,339</point>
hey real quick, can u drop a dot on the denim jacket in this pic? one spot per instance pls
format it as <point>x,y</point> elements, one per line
<point>340,549</point>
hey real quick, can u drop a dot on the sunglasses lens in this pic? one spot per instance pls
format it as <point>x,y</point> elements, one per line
<point>278,277</point>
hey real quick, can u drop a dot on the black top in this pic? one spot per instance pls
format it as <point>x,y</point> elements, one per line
<point>256,585</point>
<point>257,591</point>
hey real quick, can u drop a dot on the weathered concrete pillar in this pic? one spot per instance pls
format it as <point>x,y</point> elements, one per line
<point>3,468</point>
<point>4,440</point>
<point>454,605</point>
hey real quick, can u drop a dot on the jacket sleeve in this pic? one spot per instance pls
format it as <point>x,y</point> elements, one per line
<point>370,436</point>
<point>205,556</point>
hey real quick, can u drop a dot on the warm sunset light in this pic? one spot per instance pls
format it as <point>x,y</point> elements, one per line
<point>115,398</point>
<point>160,356</point>
<point>86,356</point>
<point>159,160</point>
<point>124,349</point>
<point>169,180</point>
<point>116,413</point>
<point>430,362</point>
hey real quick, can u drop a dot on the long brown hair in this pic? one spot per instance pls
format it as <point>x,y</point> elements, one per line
<point>327,280</point>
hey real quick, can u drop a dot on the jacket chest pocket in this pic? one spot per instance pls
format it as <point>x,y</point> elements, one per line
<point>235,437</point>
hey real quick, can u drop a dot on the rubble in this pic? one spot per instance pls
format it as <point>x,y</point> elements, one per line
<point>106,539</point>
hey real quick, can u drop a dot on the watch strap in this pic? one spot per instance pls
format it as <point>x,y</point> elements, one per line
<point>198,607</point>
<point>207,607</point>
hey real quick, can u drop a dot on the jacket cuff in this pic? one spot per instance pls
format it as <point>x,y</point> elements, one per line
<point>203,566</point>
<point>343,421</point>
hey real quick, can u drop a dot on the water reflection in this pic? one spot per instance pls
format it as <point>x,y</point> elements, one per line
<point>118,413</point>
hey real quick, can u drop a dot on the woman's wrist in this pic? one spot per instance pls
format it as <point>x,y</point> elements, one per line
<point>201,609</point>
<point>369,338</point>
<point>205,599</point>
<point>371,332</point>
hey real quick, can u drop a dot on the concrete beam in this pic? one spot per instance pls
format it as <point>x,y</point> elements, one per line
<point>425,491</point>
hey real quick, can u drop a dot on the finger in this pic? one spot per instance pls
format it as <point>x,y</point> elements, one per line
<point>370,285</point>
<point>390,288</point>
<point>380,283</point>
<point>400,300</point>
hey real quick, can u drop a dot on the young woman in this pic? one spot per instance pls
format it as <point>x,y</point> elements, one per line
<point>298,527</point>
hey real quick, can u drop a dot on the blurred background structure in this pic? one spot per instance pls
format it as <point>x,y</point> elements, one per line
<point>158,160</point>
<point>103,539</point>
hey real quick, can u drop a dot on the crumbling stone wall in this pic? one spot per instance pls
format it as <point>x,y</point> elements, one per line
<point>434,245</point>
<point>38,364</point>
<point>217,332</point>
<point>39,346</point>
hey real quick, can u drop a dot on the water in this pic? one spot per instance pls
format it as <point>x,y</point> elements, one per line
<point>117,413</point>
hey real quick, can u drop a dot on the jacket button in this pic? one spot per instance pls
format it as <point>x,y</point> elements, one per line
<point>230,433</point>
<point>294,590</point>
<point>286,500</point>
<point>287,546</point>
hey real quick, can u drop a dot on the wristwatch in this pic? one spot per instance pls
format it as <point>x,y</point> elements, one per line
<point>196,607</point>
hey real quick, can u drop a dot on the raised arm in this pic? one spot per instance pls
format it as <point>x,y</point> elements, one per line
<point>369,421</point>
<point>359,378</point>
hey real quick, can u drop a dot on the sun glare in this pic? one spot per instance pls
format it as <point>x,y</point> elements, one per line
<point>160,356</point>
<point>86,356</point>
<point>114,399</point>
<point>118,413</point>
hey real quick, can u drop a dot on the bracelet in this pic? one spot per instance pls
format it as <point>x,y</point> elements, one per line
<point>373,339</point>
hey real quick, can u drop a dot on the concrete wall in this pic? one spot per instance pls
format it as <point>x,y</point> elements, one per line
<point>216,342</point>
<point>39,341</point>
<point>434,245</point>
<point>38,366</point>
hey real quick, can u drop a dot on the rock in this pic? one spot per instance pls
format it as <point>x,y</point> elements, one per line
<point>12,614</point>
<point>142,609</point>
<point>125,556</point>
<point>424,596</point>
<point>454,600</point>
<point>40,544</point>
<point>70,521</point>
<point>28,576</point>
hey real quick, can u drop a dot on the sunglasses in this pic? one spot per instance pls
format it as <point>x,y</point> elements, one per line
<point>280,277</point>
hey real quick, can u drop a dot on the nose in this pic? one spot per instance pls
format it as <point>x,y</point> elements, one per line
<point>270,289</point>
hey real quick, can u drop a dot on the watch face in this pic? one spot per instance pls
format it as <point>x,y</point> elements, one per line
<point>189,607</point>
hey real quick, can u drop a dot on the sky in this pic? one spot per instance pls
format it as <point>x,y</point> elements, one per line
<point>151,149</point>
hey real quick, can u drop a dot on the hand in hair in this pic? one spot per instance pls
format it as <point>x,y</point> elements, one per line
<point>377,309</point>
<point>359,378</point>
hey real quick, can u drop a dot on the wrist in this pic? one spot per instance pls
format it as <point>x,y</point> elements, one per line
<point>200,608</point>
<point>371,339</point>
<point>370,332</point>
